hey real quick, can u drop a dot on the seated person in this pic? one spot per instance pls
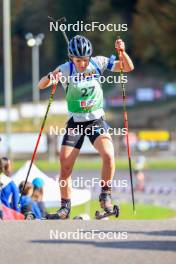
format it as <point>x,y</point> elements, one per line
<point>28,206</point>
<point>37,195</point>
<point>6,166</point>
<point>1,212</point>
<point>9,194</point>
<point>139,177</point>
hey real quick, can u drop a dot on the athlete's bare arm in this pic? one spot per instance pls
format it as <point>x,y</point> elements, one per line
<point>127,62</point>
<point>45,81</point>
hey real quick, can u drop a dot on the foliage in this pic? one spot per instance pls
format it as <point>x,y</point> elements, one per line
<point>154,31</point>
<point>150,38</point>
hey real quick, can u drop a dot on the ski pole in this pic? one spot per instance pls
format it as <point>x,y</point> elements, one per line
<point>61,21</point>
<point>126,126</point>
<point>39,136</point>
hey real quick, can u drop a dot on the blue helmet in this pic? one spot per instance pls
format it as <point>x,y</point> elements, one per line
<point>38,182</point>
<point>79,46</point>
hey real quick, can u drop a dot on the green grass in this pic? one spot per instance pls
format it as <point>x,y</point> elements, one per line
<point>27,124</point>
<point>143,212</point>
<point>90,163</point>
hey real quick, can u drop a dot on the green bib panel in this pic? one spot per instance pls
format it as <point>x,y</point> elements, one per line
<point>84,96</point>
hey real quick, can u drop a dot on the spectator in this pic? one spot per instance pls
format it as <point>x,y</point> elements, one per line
<point>37,195</point>
<point>28,206</point>
<point>6,166</point>
<point>9,191</point>
<point>1,213</point>
<point>139,178</point>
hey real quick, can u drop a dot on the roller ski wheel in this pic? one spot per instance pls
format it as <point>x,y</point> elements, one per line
<point>77,217</point>
<point>115,212</point>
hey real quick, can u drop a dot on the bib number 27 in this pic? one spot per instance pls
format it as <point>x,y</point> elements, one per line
<point>87,91</point>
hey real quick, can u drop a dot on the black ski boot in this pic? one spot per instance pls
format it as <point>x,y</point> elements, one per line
<point>105,201</point>
<point>63,213</point>
<point>106,205</point>
<point>29,216</point>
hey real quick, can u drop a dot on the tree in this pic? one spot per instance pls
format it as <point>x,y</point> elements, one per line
<point>154,32</point>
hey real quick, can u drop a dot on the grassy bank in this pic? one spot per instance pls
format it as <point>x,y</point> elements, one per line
<point>95,164</point>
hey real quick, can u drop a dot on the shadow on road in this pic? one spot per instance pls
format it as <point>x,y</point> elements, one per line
<point>163,245</point>
<point>171,233</point>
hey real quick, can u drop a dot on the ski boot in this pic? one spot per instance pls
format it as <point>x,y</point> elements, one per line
<point>63,213</point>
<point>106,205</point>
<point>29,216</point>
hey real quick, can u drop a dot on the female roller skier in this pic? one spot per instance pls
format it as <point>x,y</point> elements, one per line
<point>84,96</point>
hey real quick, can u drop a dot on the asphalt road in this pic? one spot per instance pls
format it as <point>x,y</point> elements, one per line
<point>52,242</point>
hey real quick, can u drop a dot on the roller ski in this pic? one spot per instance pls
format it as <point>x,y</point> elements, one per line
<point>63,213</point>
<point>106,205</point>
<point>61,216</point>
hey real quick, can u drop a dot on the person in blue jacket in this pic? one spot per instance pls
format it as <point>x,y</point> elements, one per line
<point>28,206</point>
<point>37,195</point>
<point>6,166</point>
<point>9,192</point>
<point>1,212</point>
